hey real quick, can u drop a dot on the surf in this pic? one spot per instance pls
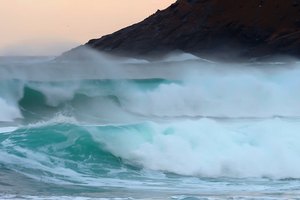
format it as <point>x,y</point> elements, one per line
<point>170,125</point>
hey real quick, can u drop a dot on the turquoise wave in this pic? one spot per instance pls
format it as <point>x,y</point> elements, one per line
<point>67,143</point>
<point>74,153</point>
<point>184,155</point>
<point>43,100</point>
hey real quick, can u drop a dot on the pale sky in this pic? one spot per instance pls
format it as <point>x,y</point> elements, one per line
<point>49,27</point>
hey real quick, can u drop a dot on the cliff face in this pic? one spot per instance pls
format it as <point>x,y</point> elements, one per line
<point>220,28</point>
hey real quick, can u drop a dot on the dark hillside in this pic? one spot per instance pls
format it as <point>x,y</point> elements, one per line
<point>212,28</point>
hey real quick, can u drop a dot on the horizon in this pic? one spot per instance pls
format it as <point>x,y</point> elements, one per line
<point>49,28</point>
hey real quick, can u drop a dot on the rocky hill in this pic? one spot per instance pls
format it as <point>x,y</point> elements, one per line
<point>225,29</point>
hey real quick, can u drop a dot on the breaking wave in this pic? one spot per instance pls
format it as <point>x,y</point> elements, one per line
<point>151,124</point>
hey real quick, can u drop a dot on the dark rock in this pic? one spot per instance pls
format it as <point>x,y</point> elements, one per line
<point>226,29</point>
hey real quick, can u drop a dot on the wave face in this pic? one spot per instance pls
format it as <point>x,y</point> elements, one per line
<point>204,131</point>
<point>201,148</point>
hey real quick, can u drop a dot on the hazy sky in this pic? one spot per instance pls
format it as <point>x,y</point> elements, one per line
<point>30,27</point>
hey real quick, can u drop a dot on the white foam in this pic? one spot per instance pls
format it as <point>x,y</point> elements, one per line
<point>222,93</point>
<point>57,119</point>
<point>22,197</point>
<point>8,129</point>
<point>56,94</point>
<point>265,148</point>
<point>8,113</point>
<point>180,57</point>
<point>134,61</point>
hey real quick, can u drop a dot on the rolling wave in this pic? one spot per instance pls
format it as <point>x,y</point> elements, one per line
<point>201,148</point>
<point>212,126</point>
<point>212,96</point>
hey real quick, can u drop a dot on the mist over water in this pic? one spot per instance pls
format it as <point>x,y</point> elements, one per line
<point>181,127</point>
<point>186,87</point>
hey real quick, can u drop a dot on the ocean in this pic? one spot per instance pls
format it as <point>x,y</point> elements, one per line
<point>182,128</point>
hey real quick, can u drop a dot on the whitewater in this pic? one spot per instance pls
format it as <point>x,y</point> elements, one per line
<point>178,128</point>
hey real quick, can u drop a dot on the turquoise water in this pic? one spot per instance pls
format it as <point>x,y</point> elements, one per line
<point>209,135</point>
<point>144,161</point>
